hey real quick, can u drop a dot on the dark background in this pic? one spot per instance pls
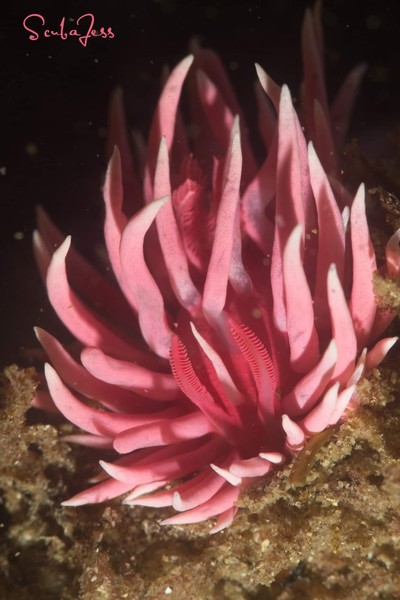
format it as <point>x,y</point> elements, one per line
<point>54,101</point>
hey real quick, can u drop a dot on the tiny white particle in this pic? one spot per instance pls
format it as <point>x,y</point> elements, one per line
<point>168,591</point>
<point>3,170</point>
<point>19,235</point>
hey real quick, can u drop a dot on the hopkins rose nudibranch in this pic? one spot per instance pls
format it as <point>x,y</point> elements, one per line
<point>242,315</point>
